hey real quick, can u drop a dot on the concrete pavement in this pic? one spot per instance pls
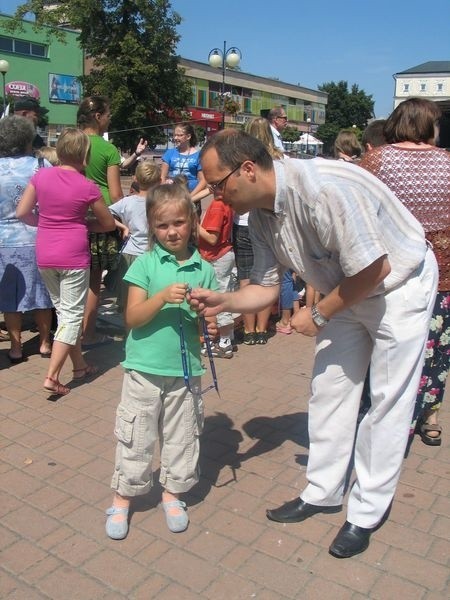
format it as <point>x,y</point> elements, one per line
<point>56,464</point>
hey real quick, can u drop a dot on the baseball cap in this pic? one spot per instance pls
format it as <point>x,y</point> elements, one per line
<point>29,103</point>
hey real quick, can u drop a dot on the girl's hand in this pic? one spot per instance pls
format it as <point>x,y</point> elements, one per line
<point>175,293</point>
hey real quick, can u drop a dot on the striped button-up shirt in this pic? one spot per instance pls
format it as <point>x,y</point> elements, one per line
<point>331,220</point>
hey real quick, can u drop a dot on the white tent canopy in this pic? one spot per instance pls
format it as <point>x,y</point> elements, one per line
<point>308,139</point>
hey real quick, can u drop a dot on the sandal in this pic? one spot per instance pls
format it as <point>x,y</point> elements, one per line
<point>286,329</point>
<point>86,372</point>
<point>430,440</point>
<point>58,388</point>
<point>4,336</point>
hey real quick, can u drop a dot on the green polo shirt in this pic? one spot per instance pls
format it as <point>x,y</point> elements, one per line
<point>155,347</point>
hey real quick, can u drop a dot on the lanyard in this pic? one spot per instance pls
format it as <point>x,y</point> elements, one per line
<point>183,349</point>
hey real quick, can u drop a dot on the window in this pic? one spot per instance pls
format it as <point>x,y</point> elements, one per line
<point>439,87</point>
<point>406,87</point>
<point>23,47</point>
<point>201,98</point>
<point>423,87</point>
<point>6,44</point>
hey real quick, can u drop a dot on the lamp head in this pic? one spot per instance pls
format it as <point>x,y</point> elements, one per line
<point>215,58</point>
<point>233,57</point>
<point>4,67</point>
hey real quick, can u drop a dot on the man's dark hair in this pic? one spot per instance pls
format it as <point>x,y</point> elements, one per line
<point>234,147</point>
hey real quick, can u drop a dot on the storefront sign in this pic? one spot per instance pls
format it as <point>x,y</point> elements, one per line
<point>22,88</point>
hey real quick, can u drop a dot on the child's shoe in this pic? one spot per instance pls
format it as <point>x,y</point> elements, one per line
<point>219,351</point>
<point>117,530</point>
<point>261,337</point>
<point>249,338</point>
<point>178,522</point>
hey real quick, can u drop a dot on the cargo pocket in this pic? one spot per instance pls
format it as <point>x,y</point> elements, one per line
<point>199,414</point>
<point>124,426</point>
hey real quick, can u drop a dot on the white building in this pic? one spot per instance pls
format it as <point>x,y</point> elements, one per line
<point>430,80</point>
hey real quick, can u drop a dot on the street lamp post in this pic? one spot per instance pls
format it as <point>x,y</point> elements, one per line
<point>308,120</point>
<point>4,68</point>
<point>221,59</point>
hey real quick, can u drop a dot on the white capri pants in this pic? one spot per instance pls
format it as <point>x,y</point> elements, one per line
<point>68,291</point>
<point>153,408</point>
<point>389,333</point>
<point>223,269</point>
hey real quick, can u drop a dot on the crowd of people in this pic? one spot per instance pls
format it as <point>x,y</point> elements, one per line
<point>354,251</point>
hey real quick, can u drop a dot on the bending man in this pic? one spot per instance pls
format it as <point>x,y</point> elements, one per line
<point>348,236</point>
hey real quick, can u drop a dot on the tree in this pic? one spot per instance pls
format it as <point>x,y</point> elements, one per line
<point>344,110</point>
<point>290,134</point>
<point>132,44</point>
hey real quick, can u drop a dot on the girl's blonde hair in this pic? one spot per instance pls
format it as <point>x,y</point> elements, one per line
<point>160,197</point>
<point>73,147</point>
<point>49,153</point>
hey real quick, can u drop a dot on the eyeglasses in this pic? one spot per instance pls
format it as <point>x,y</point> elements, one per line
<point>215,188</point>
<point>283,118</point>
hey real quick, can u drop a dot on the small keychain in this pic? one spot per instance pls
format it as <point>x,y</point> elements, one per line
<point>207,339</point>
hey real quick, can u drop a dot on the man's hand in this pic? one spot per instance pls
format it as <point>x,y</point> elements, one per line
<point>302,322</point>
<point>206,302</point>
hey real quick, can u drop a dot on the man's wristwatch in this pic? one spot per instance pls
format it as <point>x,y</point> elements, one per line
<point>317,318</point>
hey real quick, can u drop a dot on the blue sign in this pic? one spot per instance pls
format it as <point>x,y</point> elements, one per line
<point>65,89</point>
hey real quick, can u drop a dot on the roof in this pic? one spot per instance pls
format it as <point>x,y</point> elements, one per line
<point>246,78</point>
<point>433,66</point>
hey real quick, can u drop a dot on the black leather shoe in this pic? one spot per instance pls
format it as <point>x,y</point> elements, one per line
<point>296,510</point>
<point>350,540</point>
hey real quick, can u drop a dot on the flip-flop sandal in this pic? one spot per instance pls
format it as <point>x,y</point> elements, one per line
<point>4,336</point>
<point>286,329</point>
<point>430,440</point>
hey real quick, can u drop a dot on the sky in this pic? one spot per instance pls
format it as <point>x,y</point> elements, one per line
<point>310,43</point>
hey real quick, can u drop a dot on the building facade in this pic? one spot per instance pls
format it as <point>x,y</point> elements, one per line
<point>250,96</point>
<point>430,80</point>
<point>46,70</point>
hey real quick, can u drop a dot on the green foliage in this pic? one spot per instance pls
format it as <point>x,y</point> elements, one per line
<point>344,109</point>
<point>290,134</point>
<point>132,44</point>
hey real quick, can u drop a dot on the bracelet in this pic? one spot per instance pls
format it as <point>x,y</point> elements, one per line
<point>137,154</point>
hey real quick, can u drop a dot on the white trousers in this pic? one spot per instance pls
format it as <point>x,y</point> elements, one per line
<point>68,290</point>
<point>387,332</point>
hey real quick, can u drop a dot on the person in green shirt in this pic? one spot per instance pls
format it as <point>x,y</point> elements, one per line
<point>103,168</point>
<point>161,393</point>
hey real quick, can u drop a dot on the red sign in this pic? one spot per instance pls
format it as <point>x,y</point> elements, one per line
<point>199,114</point>
<point>22,88</point>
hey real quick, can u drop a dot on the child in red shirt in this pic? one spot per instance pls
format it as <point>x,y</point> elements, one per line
<point>214,241</point>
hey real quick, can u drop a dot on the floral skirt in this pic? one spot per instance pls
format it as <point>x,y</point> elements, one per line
<point>21,285</point>
<point>437,359</point>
